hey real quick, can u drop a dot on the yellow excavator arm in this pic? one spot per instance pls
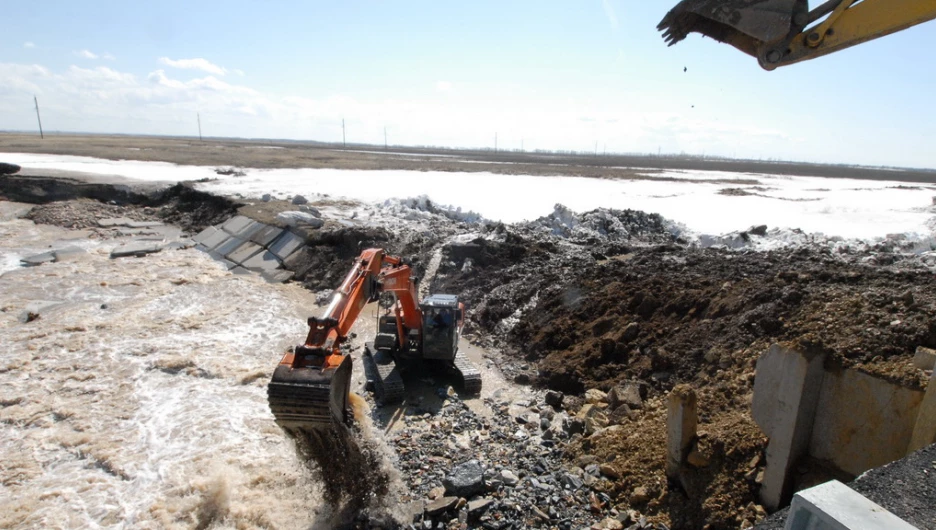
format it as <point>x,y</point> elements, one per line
<point>782,32</point>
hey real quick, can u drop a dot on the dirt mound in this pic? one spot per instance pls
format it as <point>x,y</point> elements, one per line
<point>574,315</point>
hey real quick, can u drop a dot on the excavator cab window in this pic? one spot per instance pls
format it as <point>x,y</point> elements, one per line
<point>440,329</point>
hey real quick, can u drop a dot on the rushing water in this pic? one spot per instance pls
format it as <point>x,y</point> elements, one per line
<point>137,397</point>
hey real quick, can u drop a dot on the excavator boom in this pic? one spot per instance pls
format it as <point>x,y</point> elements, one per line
<point>309,388</point>
<point>782,32</point>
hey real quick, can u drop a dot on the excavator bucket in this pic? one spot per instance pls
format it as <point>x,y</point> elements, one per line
<point>748,25</point>
<point>310,397</point>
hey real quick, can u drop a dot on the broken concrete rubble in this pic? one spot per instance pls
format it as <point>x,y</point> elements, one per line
<point>846,418</point>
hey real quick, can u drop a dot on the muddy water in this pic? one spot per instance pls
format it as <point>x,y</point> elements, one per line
<point>137,400</point>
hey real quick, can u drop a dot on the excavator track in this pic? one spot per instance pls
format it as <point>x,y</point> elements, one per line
<point>380,368</point>
<point>471,376</point>
<point>309,398</point>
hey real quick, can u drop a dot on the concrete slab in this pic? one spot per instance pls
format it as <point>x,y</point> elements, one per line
<point>10,210</point>
<point>68,252</point>
<point>835,506</point>
<point>134,231</point>
<point>180,244</point>
<point>227,264</point>
<point>39,259</point>
<point>266,235</point>
<point>286,244</point>
<point>277,276</point>
<point>244,252</point>
<point>204,234</point>
<point>216,239</point>
<point>925,358</point>
<point>250,229</point>
<point>262,261</point>
<point>786,389</point>
<point>240,270</point>
<point>135,248</point>
<point>116,221</point>
<point>144,224</point>
<point>236,224</point>
<point>924,427</point>
<point>229,246</point>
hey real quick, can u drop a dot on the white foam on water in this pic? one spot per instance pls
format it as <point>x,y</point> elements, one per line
<point>135,402</point>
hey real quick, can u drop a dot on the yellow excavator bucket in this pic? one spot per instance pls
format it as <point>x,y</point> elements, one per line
<point>745,24</point>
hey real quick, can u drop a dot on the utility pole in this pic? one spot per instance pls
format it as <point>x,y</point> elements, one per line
<point>596,148</point>
<point>344,142</point>
<point>36,100</point>
<point>495,143</point>
<point>197,114</point>
<point>384,138</point>
<point>521,146</point>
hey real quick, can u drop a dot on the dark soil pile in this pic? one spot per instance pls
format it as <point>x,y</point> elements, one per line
<point>577,315</point>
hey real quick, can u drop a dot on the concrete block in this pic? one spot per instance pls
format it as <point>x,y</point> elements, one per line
<point>135,248</point>
<point>236,224</point>
<point>835,506</point>
<point>180,244</point>
<point>262,261</point>
<point>117,221</point>
<point>862,422</point>
<point>925,358</point>
<point>65,253</point>
<point>244,252</point>
<point>924,429</point>
<point>204,234</point>
<point>277,276</point>
<point>229,246</point>
<point>39,259</point>
<point>144,224</point>
<point>682,418</point>
<point>214,240</point>
<point>239,270</point>
<point>794,389</point>
<point>286,244</point>
<point>265,235</point>
<point>249,230</point>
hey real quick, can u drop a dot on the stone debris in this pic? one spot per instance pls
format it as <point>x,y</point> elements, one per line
<point>136,248</point>
<point>299,219</point>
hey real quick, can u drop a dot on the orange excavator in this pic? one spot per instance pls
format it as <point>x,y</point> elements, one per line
<point>309,389</point>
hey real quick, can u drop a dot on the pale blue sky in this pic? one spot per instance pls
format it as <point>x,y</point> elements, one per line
<point>552,75</point>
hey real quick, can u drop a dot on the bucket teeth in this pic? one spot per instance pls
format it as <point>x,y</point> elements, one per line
<point>309,398</point>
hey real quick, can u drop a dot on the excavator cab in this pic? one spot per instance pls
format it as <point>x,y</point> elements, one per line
<point>441,323</point>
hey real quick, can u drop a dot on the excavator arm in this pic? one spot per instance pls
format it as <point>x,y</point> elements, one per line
<point>782,32</point>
